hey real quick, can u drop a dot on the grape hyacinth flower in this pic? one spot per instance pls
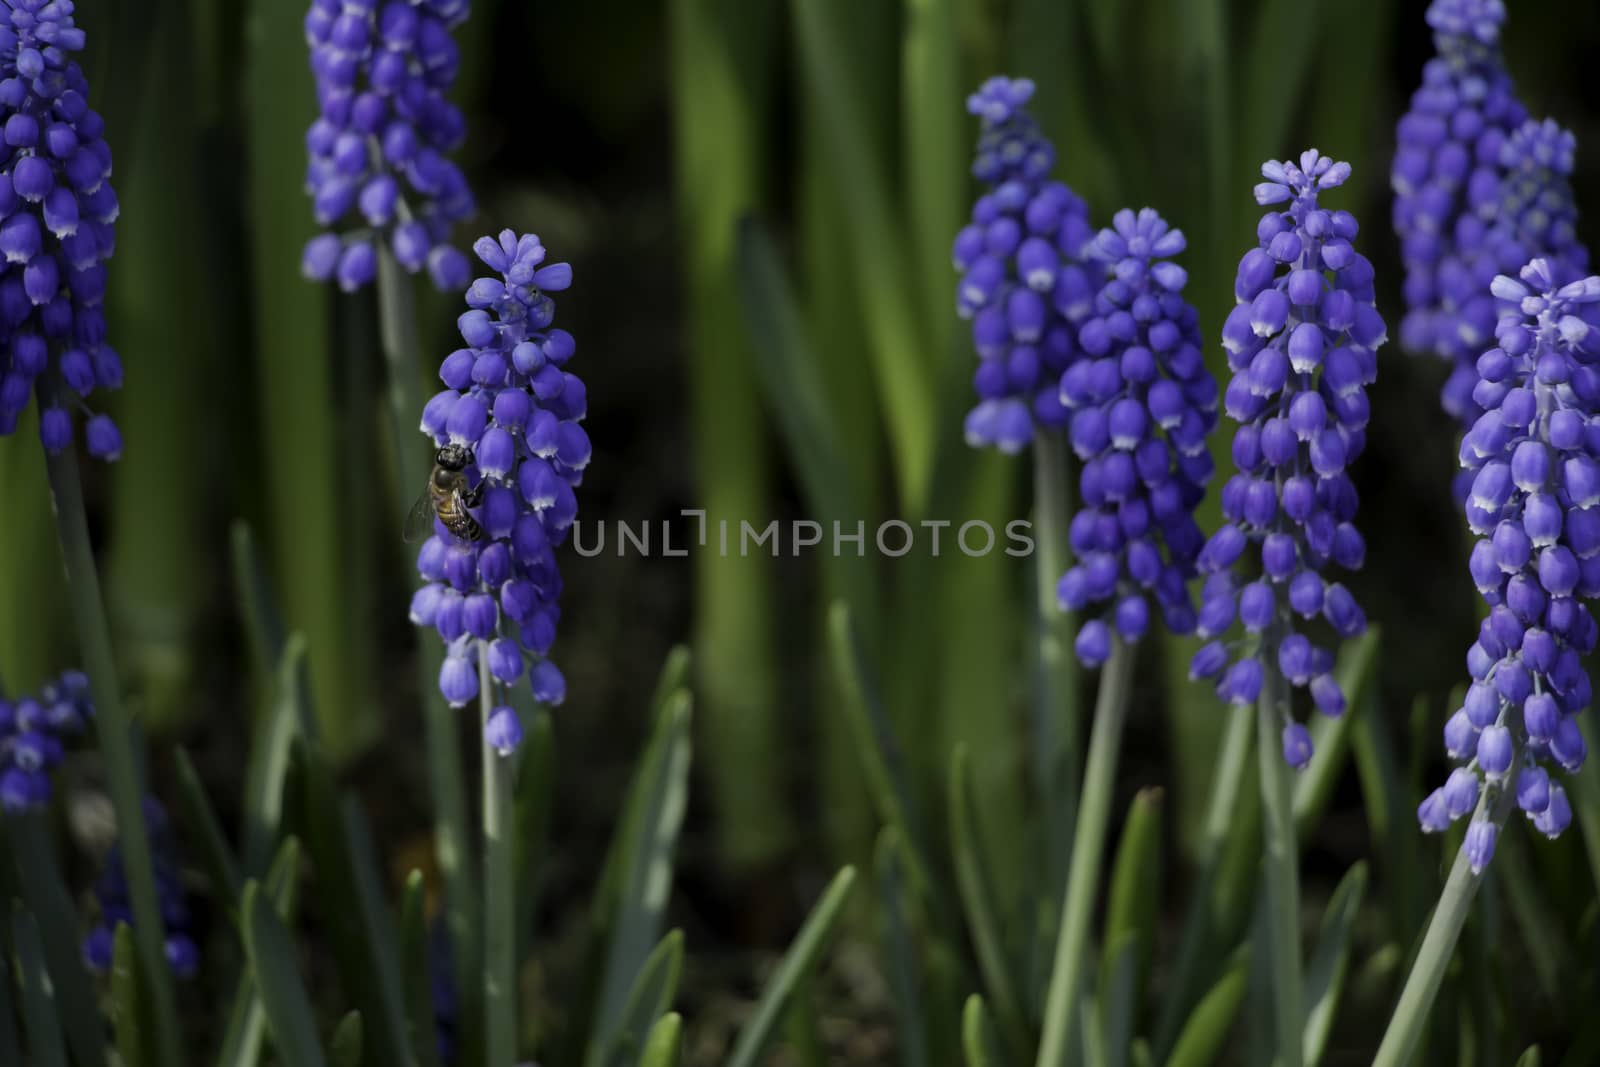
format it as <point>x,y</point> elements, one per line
<point>1447,177</point>
<point>1141,404</point>
<point>1534,217</point>
<point>1023,286</point>
<point>379,166</point>
<point>1302,344</point>
<point>510,401</point>
<point>57,210</point>
<point>1535,504</point>
<point>33,733</point>
<point>112,895</point>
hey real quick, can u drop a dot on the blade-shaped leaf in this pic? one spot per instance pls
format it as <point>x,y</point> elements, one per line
<point>645,866</point>
<point>38,994</point>
<point>535,793</point>
<point>977,896</point>
<point>1203,1036</point>
<point>1356,672</point>
<point>344,1050</point>
<point>226,881</point>
<point>1325,971</point>
<point>129,1014</point>
<point>49,901</point>
<point>416,978</point>
<point>277,976</point>
<point>274,735</point>
<point>797,962</point>
<point>1133,903</point>
<point>1119,995</point>
<point>978,1039</point>
<point>650,998</point>
<point>247,1019</point>
<point>1530,1057</point>
<point>664,1046</point>
<point>901,958</point>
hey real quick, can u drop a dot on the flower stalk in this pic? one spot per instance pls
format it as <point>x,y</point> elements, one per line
<point>1088,845</point>
<point>500,916</point>
<point>1282,864</point>
<point>114,729</point>
<point>1057,732</point>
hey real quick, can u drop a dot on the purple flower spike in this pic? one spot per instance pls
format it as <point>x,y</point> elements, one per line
<point>111,894</point>
<point>1535,504</point>
<point>1140,404</point>
<point>1024,283</point>
<point>1302,343</point>
<point>57,211</point>
<point>512,414</point>
<point>379,167</point>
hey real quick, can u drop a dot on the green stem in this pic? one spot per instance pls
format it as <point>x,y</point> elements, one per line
<point>1282,862</point>
<point>500,915</point>
<point>1410,1019</point>
<point>1057,733</point>
<point>115,731</point>
<point>1220,819</point>
<point>397,320</point>
<point>1088,845</point>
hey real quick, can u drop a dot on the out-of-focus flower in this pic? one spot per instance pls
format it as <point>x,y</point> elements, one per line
<point>33,731</point>
<point>57,210</point>
<point>112,895</point>
<point>1023,286</point>
<point>1535,503</point>
<point>512,404</point>
<point>379,151</point>
<point>1141,404</point>
<point>1302,343</point>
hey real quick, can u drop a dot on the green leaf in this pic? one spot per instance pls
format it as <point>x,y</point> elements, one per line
<point>872,238</point>
<point>1388,805</point>
<point>129,1021</point>
<point>247,1019</point>
<point>1530,1057</point>
<point>345,1048</point>
<point>875,742</point>
<point>352,907</point>
<point>54,918</point>
<point>977,896</point>
<point>531,807</point>
<point>664,1045</point>
<point>38,994</point>
<point>1546,943</point>
<point>416,979</point>
<point>673,677</point>
<point>797,962</point>
<point>1325,971</point>
<point>1356,674</point>
<point>1133,903</point>
<point>1118,1002</point>
<point>277,976</point>
<point>645,867</point>
<point>935,151</point>
<point>263,625</point>
<point>649,999</point>
<point>790,379</point>
<point>900,962</point>
<point>978,1039</point>
<point>272,740</point>
<point>1278,67</point>
<point>226,881</point>
<point>1206,1032</point>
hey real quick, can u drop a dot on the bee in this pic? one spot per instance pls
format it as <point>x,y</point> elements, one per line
<point>448,495</point>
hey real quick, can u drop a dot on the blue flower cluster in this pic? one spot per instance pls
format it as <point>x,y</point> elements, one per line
<point>1535,504</point>
<point>1023,284</point>
<point>1448,172</point>
<point>1141,404</point>
<point>57,210</point>
<point>33,732</point>
<point>510,400</point>
<point>379,150</point>
<point>115,907</point>
<point>1302,343</point>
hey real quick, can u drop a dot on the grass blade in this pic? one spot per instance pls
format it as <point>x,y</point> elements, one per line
<point>645,865</point>
<point>344,1050</point>
<point>978,1039</point>
<point>1325,970</point>
<point>664,1046</point>
<point>1133,902</point>
<point>650,998</point>
<point>247,1019</point>
<point>416,978</point>
<point>272,961</point>
<point>1203,1036</point>
<point>38,994</point>
<point>797,962</point>
<point>226,881</point>
<point>274,735</point>
<point>51,913</point>
<point>1118,1002</point>
<point>901,959</point>
<point>935,153</point>
<point>977,896</point>
<point>535,796</point>
<point>130,1022</point>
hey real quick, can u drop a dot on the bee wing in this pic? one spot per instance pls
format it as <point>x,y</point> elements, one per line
<point>419,520</point>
